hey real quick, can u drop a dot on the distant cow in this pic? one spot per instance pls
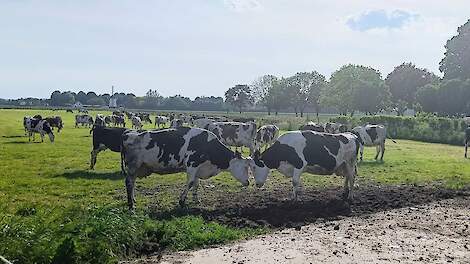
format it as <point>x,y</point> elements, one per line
<point>196,151</point>
<point>119,120</point>
<point>55,121</point>
<point>40,126</point>
<point>136,122</point>
<point>467,139</point>
<point>99,121</point>
<point>266,136</point>
<point>105,138</point>
<point>372,135</point>
<point>161,120</point>
<point>144,117</point>
<point>83,111</point>
<point>175,123</point>
<point>335,128</point>
<point>318,153</point>
<point>84,120</point>
<point>202,122</point>
<point>313,127</point>
<point>69,111</point>
<point>243,119</point>
<point>235,134</point>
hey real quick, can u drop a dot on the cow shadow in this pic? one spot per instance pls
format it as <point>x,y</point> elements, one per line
<point>14,136</point>
<point>272,209</point>
<point>24,142</point>
<point>91,175</point>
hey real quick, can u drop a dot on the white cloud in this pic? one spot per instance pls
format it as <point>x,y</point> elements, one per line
<point>243,5</point>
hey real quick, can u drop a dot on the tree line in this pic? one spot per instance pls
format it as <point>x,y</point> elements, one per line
<point>357,88</point>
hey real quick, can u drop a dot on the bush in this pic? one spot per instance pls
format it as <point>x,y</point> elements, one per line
<point>422,128</point>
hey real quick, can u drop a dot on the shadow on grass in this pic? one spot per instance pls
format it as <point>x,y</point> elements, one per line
<point>24,142</point>
<point>15,136</point>
<point>273,209</point>
<point>91,175</point>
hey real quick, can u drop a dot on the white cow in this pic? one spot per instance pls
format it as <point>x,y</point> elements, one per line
<point>136,122</point>
<point>372,135</point>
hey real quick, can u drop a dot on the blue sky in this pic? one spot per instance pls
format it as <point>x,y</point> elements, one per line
<point>204,47</point>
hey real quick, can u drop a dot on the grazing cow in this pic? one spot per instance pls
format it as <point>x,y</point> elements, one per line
<point>119,120</point>
<point>144,117</point>
<point>175,123</point>
<point>467,139</point>
<point>83,120</point>
<point>105,138</point>
<point>235,134</point>
<point>194,150</point>
<point>55,121</point>
<point>37,117</point>
<point>118,113</point>
<point>69,111</point>
<point>203,122</point>
<point>129,114</point>
<point>108,120</point>
<point>372,135</point>
<point>40,126</point>
<point>24,124</point>
<point>83,111</point>
<point>161,120</point>
<point>136,122</point>
<point>266,136</point>
<point>318,153</point>
<point>335,128</point>
<point>312,126</point>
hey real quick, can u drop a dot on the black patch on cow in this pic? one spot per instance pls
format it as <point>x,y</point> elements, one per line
<point>372,132</point>
<point>214,151</point>
<point>312,127</point>
<point>315,152</point>
<point>111,137</point>
<point>169,142</point>
<point>278,152</point>
<point>256,159</point>
<point>343,139</point>
<point>467,134</point>
<point>228,131</point>
<point>359,138</point>
<point>47,127</point>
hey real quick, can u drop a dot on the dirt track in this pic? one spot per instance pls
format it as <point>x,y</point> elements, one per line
<point>402,223</point>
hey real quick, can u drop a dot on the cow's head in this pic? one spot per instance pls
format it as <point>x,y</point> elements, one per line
<point>239,168</point>
<point>259,169</point>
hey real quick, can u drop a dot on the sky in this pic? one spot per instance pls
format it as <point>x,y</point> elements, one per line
<point>197,47</point>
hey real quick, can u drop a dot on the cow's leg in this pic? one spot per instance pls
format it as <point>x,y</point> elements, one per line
<point>194,189</point>
<point>93,154</point>
<point>296,184</point>
<point>191,174</point>
<point>382,148</point>
<point>42,136</point>
<point>361,150</point>
<point>377,150</point>
<point>130,186</point>
<point>466,146</point>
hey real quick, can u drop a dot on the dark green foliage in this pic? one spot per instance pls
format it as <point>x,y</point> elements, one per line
<point>456,61</point>
<point>421,128</point>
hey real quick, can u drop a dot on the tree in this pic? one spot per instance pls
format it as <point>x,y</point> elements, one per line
<point>55,98</point>
<point>239,96</point>
<point>308,86</point>
<point>96,101</point>
<point>456,61</point>
<point>404,81</point>
<point>90,96</point>
<point>81,97</point>
<point>355,87</point>
<point>261,88</point>
<point>447,98</point>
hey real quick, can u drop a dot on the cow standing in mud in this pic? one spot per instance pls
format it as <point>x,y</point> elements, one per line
<point>235,134</point>
<point>372,135</point>
<point>196,151</point>
<point>317,153</point>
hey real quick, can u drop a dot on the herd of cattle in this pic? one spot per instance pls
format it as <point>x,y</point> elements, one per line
<point>200,146</point>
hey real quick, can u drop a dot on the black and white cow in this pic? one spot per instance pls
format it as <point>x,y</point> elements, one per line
<point>119,120</point>
<point>69,111</point>
<point>266,136</point>
<point>161,120</point>
<point>105,138</point>
<point>372,135</point>
<point>144,117</point>
<point>99,121</point>
<point>235,134</point>
<point>196,151</point>
<point>84,120</point>
<point>243,119</point>
<point>312,126</point>
<point>203,122</point>
<point>467,139</point>
<point>318,153</point>
<point>335,128</point>
<point>40,126</point>
<point>136,122</point>
<point>55,121</point>
<point>175,123</point>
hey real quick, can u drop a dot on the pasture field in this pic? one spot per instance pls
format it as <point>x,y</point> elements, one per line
<point>54,210</point>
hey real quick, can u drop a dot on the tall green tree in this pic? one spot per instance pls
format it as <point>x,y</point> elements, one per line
<point>404,81</point>
<point>239,96</point>
<point>261,88</point>
<point>456,61</point>
<point>356,88</point>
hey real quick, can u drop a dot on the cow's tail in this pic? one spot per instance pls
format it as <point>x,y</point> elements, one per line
<point>393,140</point>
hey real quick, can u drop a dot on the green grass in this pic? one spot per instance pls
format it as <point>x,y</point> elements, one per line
<point>54,210</point>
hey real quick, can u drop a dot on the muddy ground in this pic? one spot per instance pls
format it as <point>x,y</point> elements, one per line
<point>403,223</point>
